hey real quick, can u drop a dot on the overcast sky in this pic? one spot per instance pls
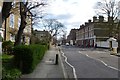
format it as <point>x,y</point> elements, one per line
<point>72,13</point>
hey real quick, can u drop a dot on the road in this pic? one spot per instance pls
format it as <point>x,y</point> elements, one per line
<point>89,63</point>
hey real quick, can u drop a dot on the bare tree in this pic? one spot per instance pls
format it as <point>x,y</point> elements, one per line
<point>108,8</point>
<point>54,27</point>
<point>26,7</point>
<point>111,9</point>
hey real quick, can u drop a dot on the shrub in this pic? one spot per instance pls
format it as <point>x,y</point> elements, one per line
<point>22,57</point>
<point>42,43</point>
<point>9,72</point>
<point>7,47</point>
<point>27,57</point>
<point>7,61</point>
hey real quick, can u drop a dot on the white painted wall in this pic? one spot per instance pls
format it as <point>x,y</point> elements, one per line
<point>103,44</point>
<point>106,44</point>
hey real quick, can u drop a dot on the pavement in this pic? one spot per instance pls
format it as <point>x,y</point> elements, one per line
<point>47,68</point>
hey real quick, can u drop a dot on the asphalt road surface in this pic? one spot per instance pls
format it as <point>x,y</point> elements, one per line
<point>82,66</point>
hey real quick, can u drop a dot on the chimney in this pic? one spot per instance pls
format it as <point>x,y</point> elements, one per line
<point>110,19</point>
<point>89,20</point>
<point>101,18</point>
<point>86,23</point>
<point>82,26</point>
<point>94,18</point>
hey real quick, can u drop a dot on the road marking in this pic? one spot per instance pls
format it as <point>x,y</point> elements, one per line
<point>111,55</point>
<point>87,55</point>
<point>108,65</point>
<point>102,62</point>
<point>74,71</point>
<point>64,73</point>
<point>113,68</point>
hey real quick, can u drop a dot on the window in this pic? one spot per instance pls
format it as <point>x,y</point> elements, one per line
<point>12,20</point>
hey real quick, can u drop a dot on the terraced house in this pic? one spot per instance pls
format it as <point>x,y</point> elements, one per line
<point>71,38</point>
<point>41,36</point>
<point>94,31</point>
<point>12,24</point>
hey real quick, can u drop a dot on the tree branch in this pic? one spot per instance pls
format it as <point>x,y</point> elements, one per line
<point>41,4</point>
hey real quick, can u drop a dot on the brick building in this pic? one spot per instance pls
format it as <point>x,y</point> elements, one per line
<point>72,36</point>
<point>42,36</point>
<point>94,31</point>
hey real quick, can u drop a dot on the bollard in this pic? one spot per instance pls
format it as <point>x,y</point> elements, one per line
<point>114,51</point>
<point>56,59</point>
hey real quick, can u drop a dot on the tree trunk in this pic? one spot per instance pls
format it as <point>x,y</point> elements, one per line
<point>20,31</point>
<point>19,36</point>
<point>6,10</point>
<point>22,25</point>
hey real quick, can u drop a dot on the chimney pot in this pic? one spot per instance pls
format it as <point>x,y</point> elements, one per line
<point>94,18</point>
<point>101,18</point>
<point>89,20</point>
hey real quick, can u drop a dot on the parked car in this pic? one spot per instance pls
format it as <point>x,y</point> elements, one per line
<point>67,44</point>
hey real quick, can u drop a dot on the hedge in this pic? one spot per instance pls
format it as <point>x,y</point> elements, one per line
<point>7,60</point>
<point>7,47</point>
<point>9,72</point>
<point>27,57</point>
